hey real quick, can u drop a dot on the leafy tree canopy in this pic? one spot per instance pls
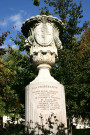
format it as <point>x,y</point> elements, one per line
<point>71,69</point>
<point>70,13</point>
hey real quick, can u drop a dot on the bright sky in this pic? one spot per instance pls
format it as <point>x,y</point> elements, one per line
<point>16,12</point>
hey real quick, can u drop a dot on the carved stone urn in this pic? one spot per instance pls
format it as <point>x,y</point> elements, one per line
<point>42,33</point>
<point>44,95</point>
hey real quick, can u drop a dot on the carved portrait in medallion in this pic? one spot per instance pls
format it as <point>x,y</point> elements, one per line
<point>44,34</point>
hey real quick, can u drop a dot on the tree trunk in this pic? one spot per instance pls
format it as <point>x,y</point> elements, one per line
<point>70,127</point>
<point>1,122</point>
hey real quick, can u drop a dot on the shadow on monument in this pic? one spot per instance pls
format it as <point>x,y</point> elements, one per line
<point>51,127</point>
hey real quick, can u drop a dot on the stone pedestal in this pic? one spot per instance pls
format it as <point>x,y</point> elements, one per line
<point>45,96</point>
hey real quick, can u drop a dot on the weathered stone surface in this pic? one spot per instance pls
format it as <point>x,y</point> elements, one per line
<point>42,34</point>
<point>29,25</point>
<point>44,95</point>
<point>45,98</point>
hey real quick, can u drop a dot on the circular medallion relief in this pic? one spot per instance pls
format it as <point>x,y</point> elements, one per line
<point>44,34</point>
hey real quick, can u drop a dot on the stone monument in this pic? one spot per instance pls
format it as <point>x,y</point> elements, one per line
<point>44,95</point>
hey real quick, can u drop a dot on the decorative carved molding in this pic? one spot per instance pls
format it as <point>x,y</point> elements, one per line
<point>34,21</point>
<point>43,57</point>
<point>43,34</point>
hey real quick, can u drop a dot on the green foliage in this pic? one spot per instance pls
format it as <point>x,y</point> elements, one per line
<point>2,107</point>
<point>8,95</point>
<point>20,40</point>
<point>48,128</point>
<point>44,11</point>
<point>72,70</point>
<point>70,13</point>
<point>12,129</point>
<point>3,37</point>
<point>81,132</point>
<point>85,38</point>
<point>72,67</point>
<point>16,71</point>
<point>36,2</point>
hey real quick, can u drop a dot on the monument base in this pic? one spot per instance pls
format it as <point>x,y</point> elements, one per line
<point>45,96</point>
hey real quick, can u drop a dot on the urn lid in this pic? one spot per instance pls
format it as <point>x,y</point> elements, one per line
<point>33,22</point>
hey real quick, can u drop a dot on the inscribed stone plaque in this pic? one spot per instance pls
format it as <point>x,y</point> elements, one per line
<point>45,99</point>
